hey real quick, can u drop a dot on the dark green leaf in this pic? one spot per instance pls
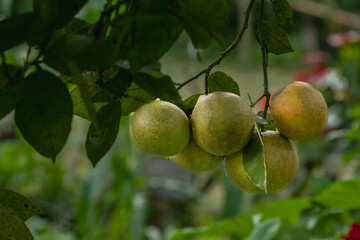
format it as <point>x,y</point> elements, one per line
<point>254,162</point>
<point>293,232</point>
<point>220,82</point>
<point>22,206</point>
<point>86,53</point>
<point>200,37</point>
<point>283,13</point>
<point>44,115</point>
<point>100,139</point>
<point>210,14</point>
<point>276,39</point>
<point>266,230</point>
<point>136,97</point>
<point>158,85</point>
<point>10,96</point>
<point>14,30</point>
<point>73,27</point>
<point>288,210</point>
<point>341,195</point>
<point>12,226</point>
<point>188,105</point>
<point>218,38</point>
<point>56,13</point>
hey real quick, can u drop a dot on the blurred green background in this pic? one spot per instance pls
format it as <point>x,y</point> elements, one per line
<point>133,196</point>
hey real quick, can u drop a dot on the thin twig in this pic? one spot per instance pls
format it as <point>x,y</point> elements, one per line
<point>233,45</point>
<point>264,54</point>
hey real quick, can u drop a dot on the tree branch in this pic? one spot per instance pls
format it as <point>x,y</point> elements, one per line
<point>207,70</point>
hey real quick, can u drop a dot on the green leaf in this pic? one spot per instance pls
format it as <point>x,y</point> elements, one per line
<point>158,85</point>
<point>86,53</point>
<point>200,37</point>
<point>100,139</point>
<point>136,97</point>
<point>44,114</point>
<point>267,230</point>
<point>240,226</point>
<point>341,195</point>
<point>56,13</point>
<point>22,206</point>
<point>254,162</point>
<point>188,105</point>
<point>12,226</point>
<point>293,232</point>
<point>220,82</point>
<point>276,39</point>
<point>14,30</point>
<point>10,95</point>
<point>283,13</point>
<point>287,210</point>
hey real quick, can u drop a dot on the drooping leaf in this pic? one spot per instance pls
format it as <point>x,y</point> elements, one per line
<point>287,210</point>
<point>221,82</point>
<point>22,206</point>
<point>14,30</point>
<point>240,226</point>
<point>254,162</point>
<point>200,37</point>
<point>85,52</point>
<point>158,85</point>
<point>283,13</point>
<point>56,13</point>
<point>276,39</point>
<point>267,230</point>
<point>101,138</point>
<point>188,105</point>
<point>12,226</point>
<point>341,195</point>
<point>135,98</point>
<point>44,114</point>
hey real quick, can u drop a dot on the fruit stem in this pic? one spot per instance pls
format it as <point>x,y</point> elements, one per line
<point>264,54</point>
<point>233,45</point>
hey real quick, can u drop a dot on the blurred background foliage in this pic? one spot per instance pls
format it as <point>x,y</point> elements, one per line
<point>133,196</point>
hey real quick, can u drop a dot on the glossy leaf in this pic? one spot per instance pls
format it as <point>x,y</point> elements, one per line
<point>276,39</point>
<point>254,162</point>
<point>14,30</point>
<point>158,85</point>
<point>221,82</point>
<point>12,226</point>
<point>22,206</point>
<point>267,230</point>
<point>86,53</point>
<point>101,138</point>
<point>341,195</point>
<point>45,113</point>
<point>136,97</point>
<point>56,13</point>
<point>283,13</point>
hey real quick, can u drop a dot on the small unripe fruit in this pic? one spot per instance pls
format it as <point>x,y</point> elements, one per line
<point>194,159</point>
<point>299,111</point>
<point>222,123</point>
<point>160,128</point>
<point>281,160</point>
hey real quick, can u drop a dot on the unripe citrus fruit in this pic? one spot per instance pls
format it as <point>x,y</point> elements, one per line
<point>222,123</point>
<point>281,160</point>
<point>160,128</point>
<point>194,159</point>
<point>299,110</point>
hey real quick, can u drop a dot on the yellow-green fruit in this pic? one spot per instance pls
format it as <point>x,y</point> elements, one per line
<point>281,160</point>
<point>222,123</point>
<point>160,128</point>
<point>299,110</point>
<point>194,159</point>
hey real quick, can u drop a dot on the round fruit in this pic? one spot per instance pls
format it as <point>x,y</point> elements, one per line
<point>195,159</point>
<point>299,110</point>
<point>281,161</point>
<point>160,128</point>
<point>222,123</point>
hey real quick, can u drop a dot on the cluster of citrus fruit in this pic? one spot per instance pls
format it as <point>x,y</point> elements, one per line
<point>221,126</point>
